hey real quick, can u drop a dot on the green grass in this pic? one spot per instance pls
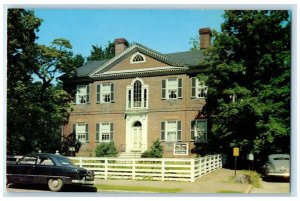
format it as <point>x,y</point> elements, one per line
<point>137,189</point>
<point>256,179</point>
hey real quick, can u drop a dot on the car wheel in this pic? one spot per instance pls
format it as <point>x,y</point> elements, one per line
<point>55,184</point>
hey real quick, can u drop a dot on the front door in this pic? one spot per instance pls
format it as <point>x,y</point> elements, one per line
<point>137,136</point>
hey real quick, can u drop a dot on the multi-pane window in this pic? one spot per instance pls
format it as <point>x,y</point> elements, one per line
<point>137,95</point>
<point>171,131</point>
<point>171,88</point>
<point>82,94</point>
<point>199,130</point>
<point>82,132</point>
<point>138,58</point>
<point>104,132</point>
<point>105,93</point>
<point>199,89</point>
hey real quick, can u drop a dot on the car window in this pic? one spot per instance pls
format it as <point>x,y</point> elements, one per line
<point>27,160</point>
<point>65,161</point>
<point>45,161</point>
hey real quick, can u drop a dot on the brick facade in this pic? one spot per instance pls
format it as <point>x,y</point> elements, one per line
<point>137,128</point>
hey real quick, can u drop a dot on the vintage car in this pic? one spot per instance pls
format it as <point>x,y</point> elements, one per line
<point>277,165</point>
<point>51,169</point>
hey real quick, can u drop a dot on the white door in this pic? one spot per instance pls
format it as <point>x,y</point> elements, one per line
<point>137,136</point>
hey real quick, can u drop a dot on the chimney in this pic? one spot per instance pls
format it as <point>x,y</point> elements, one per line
<point>120,45</point>
<point>205,38</point>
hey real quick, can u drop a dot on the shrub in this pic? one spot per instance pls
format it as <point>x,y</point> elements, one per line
<point>106,149</point>
<point>156,151</point>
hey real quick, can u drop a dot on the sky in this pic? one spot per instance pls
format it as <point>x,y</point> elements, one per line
<point>164,30</point>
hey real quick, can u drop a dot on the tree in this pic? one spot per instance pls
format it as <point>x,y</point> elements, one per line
<point>37,104</point>
<point>248,74</point>
<point>78,60</point>
<point>195,43</point>
<point>106,149</point>
<point>156,150</point>
<point>97,53</point>
<point>21,48</point>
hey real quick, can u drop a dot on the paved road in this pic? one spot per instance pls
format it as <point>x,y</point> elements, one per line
<point>44,188</point>
<point>272,187</point>
<point>214,182</point>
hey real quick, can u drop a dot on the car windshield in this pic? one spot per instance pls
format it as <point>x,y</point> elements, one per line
<point>65,161</point>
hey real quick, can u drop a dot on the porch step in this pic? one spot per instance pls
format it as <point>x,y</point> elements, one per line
<point>130,155</point>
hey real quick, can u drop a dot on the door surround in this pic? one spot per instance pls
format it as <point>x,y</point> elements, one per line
<point>136,132</point>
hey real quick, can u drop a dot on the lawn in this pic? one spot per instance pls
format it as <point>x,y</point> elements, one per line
<point>144,189</point>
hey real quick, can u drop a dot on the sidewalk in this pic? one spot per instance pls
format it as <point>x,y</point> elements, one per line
<point>214,182</point>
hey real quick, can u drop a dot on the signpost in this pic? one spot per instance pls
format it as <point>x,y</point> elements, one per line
<point>236,153</point>
<point>250,158</point>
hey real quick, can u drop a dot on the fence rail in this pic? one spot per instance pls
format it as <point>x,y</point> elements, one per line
<point>164,169</point>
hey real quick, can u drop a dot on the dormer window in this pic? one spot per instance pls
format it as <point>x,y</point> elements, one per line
<point>137,58</point>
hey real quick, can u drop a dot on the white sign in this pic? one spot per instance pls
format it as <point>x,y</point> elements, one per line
<point>181,149</point>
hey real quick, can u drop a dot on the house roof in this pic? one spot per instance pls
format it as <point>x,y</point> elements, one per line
<point>179,59</point>
<point>89,67</point>
<point>188,58</point>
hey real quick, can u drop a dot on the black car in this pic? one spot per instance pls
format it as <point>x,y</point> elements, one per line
<point>51,169</point>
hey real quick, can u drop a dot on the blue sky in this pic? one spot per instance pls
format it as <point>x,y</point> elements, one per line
<point>164,30</point>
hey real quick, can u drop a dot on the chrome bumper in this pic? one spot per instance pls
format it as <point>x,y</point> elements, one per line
<point>278,174</point>
<point>83,182</point>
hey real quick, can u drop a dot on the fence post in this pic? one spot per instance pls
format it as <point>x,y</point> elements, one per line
<point>162,170</point>
<point>133,168</point>
<point>206,162</point>
<point>220,161</point>
<point>192,170</point>
<point>105,168</point>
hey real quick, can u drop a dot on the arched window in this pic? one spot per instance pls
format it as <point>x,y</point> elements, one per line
<point>138,58</point>
<point>137,95</point>
<point>137,124</point>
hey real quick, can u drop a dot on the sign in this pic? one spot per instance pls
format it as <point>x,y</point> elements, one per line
<point>181,149</point>
<point>250,157</point>
<point>236,151</point>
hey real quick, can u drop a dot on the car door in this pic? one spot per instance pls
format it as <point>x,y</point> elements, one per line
<point>23,171</point>
<point>44,169</point>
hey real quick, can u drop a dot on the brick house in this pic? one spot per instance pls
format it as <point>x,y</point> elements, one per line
<point>138,96</point>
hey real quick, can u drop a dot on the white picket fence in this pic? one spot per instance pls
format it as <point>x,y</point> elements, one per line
<point>164,169</point>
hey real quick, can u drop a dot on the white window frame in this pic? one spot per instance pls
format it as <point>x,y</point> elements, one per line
<point>137,54</point>
<point>198,88</point>
<point>166,130</point>
<point>195,132</point>
<point>82,97</point>
<point>104,129</point>
<point>130,96</point>
<point>82,135</point>
<point>177,89</point>
<point>100,98</point>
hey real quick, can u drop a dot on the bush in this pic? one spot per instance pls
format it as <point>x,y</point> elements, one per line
<point>106,149</point>
<point>156,151</point>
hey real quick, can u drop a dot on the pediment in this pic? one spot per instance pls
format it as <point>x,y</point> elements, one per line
<point>137,59</point>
